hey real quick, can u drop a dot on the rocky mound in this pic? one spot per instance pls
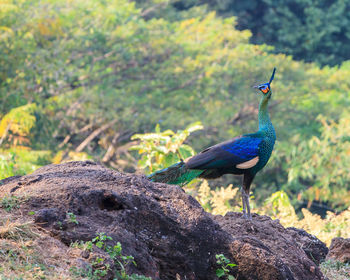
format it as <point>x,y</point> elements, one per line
<point>340,250</point>
<point>166,230</point>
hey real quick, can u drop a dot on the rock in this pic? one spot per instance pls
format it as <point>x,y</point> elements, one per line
<point>164,229</point>
<point>264,249</point>
<point>314,248</point>
<point>340,249</point>
<point>46,216</point>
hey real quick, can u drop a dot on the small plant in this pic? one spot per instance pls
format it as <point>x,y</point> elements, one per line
<point>335,270</point>
<point>100,269</point>
<point>8,203</point>
<point>72,218</point>
<point>217,201</point>
<point>115,252</point>
<point>59,223</point>
<point>162,149</point>
<point>100,240</point>
<point>225,264</point>
<point>88,273</point>
<point>85,246</point>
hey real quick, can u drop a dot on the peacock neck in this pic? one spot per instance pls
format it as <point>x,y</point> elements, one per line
<point>265,124</point>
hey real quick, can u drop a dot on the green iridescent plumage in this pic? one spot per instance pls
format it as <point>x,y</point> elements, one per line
<point>243,155</point>
<point>177,174</point>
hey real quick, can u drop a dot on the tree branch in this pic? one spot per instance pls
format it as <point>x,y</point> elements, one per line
<point>93,135</point>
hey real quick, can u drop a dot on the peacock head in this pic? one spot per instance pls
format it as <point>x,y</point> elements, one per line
<point>266,88</point>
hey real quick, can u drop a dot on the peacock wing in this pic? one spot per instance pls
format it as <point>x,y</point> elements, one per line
<point>241,152</point>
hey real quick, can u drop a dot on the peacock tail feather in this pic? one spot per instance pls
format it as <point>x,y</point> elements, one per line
<point>176,174</point>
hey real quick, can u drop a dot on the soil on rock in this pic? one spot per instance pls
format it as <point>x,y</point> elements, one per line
<point>166,230</point>
<point>264,247</point>
<point>340,249</point>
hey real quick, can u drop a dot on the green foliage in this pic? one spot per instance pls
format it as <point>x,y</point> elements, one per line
<point>322,164</point>
<point>218,201</point>
<point>16,125</point>
<point>225,265</point>
<point>7,166</point>
<point>99,268</point>
<point>8,203</point>
<point>19,256</point>
<point>310,30</point>
<point>162,149</point>
<point>314,31</point>
<point>72,218</point>
<point>335,270</point>
<point>85,246</point>
<point>21,160</point>
<point>277,206</point>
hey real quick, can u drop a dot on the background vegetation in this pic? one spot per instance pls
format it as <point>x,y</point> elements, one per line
<point>79,78</point>
<point>313,31</point>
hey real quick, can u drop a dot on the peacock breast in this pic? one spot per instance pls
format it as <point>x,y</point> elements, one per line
<point>265,151</point>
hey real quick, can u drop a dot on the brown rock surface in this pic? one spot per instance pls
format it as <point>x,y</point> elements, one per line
<point>166,230</point>
<point>267,248</point>
<point>340,249</point>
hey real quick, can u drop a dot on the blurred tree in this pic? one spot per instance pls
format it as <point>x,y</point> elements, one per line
<point>313,31</point>
<point>16,125</point>
<point>321,165</point>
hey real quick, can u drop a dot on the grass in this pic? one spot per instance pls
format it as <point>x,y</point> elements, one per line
<point>28,252</point>
<point>335,270</point>
<point>17,231</point>
<point>21,260</point>
<point>20,257</point>
<point>99,268</point>
<point>8,203</point>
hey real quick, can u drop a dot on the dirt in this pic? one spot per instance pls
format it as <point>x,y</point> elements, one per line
<point>340,250</point>
<point>164,229</point>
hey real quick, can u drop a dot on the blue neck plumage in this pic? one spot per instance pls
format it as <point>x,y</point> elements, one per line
<point>265,124</point>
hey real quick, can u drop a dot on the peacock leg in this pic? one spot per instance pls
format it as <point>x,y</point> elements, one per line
<point>248,206</point>
<point>247,180</point>
<point>243,203</point>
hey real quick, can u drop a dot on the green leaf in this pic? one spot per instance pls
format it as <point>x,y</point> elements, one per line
<point>170,159</point>
<point>99,244</point>
<point>194,127</point>
<point>186,151</point>
<point>157,129</point>
<point>220,272</point>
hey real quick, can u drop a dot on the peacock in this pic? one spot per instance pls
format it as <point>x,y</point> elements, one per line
<point>243,155</point>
